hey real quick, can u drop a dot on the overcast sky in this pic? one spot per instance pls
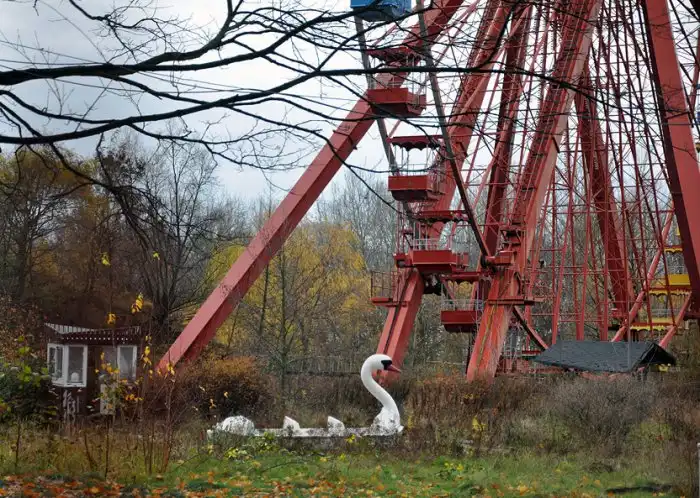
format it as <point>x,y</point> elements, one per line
<point>53,33</point>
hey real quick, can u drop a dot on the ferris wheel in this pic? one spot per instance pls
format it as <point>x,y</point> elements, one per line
<point>543,163</point>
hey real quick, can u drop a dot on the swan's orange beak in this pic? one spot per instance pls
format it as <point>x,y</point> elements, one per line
<point>392,368</point>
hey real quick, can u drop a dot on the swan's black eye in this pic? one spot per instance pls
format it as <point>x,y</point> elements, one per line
<point>386,363</point>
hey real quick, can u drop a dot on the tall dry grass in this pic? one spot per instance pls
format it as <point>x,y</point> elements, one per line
<point>652,422</point>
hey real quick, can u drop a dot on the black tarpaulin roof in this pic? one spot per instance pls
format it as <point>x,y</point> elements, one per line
<point>604,356</point>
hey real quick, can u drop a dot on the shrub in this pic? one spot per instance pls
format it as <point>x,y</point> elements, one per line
<point>311,399</point>
<point>600,412</point>
<point>25,389</point>
<point>18,323</point>
<point>222,387</point>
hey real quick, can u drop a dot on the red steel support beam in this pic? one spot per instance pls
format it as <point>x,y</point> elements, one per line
<point>291,211</point>
<point>580,18</point>
<point>471,90</point>
<point>639,301</point>
<point>398,325</point>
<point>500,164</point>
<point>676,129</point>
<point>400,320</point>
<point>595,157</point>
<point>251,263</point>
<point>671,331</point>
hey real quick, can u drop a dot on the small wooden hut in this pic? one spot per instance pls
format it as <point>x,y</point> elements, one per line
<point>74,358</point>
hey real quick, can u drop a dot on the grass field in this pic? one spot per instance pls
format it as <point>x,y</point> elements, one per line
<point>288,474</point>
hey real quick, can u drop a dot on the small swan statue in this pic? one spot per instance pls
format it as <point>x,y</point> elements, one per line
<point>386,423</point>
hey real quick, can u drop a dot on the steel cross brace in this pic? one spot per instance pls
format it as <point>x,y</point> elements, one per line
<point>500,164</point>
<point>673,328</point>
<point>595,156</point>
<point>265,245</point>
<point>533,186</point>
<point>639,301</point>
<point>399,322</point>
<point>676,129</point>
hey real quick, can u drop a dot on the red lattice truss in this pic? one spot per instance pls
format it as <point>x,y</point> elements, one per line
<point>584,222</point>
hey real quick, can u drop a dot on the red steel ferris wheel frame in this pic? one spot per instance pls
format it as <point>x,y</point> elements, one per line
<point>531,190</point>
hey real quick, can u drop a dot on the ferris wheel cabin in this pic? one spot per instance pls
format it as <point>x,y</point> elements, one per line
<point>380,10</point>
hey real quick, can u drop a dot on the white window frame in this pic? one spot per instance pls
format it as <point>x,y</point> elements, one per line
<point>134,350</point>
<point>120,366</point>
<point>64,379</point>
<point>56,348</point>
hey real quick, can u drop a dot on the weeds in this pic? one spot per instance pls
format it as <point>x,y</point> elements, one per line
<point>652,425</point>
<point>368,475</point>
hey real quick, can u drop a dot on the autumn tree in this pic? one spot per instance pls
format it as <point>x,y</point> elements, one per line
<point>308,302</point>
<point>177,221</point>
<point>365,205</point>
<point>37,195</point>
<point>81,251</point>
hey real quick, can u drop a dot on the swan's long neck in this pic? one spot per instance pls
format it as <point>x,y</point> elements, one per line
<point>377,391</point>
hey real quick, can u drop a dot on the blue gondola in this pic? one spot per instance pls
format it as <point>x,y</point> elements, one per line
<point>381,10</point>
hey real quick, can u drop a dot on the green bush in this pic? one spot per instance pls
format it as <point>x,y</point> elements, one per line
<point>540,432</point>
<point>25,393</point>
<point>649,435</point>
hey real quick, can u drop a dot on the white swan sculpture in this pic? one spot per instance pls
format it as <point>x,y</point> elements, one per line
<point>386,423</point>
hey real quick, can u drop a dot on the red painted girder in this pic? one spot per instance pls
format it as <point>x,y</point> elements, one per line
<point>674,328</point>
<point>250,264</point>
<point>400,319</point>
<point>576,41</point>
<point>500,164</point>
<point>399,322</point>
<point>494,325</point>
<point>639,301</point>
<point>470,98</point>
<point>471,94</point>
<point>290,212</point>
<point>529,330</point>
<point>466,108</point>
<point>472,89</point>
<point>595,156</point>
<point>676,129</point>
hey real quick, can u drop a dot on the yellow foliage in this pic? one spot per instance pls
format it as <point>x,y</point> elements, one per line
<point>138,304</point>
<point>45,260</point>
<point>39,177</point>
<point>319,274</point>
